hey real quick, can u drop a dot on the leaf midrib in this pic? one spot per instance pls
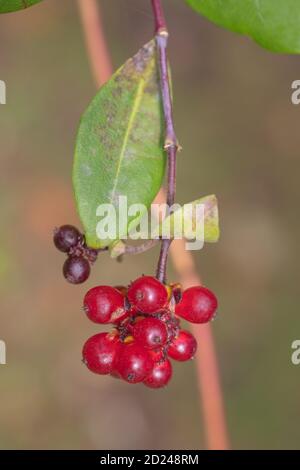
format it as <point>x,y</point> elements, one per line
<point>137,101</point>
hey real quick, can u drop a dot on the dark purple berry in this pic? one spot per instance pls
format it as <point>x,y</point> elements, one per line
<point>66,237</point>
<point>76,269</point>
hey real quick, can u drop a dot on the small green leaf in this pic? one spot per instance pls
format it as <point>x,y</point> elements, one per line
<point>119,147</point>
<point>117,249</point>
<point>186,220</point>
<point>274,24</point>
<point>7,6</point>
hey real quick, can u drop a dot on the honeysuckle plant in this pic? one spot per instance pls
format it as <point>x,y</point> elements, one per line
<point>126,146</point>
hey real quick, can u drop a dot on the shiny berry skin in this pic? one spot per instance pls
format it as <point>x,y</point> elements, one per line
<point>150,333</point>
<point>76,269</point>
<point>147,294</point>
<point>66,237</point>
<point>183,347</point>
<point>104,304</point>
<point>133,363</point>
<point>198,305</point>
<point>158,355</point>
<point>160,375</point>
<point>99,352</point>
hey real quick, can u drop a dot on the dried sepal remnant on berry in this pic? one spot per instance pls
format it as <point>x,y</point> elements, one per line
<point>69,240</point>
<point>147,331</point>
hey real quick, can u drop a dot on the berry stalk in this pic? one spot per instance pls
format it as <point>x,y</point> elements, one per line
<point>171,143</point>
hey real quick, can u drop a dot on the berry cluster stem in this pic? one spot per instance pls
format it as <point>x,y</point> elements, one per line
<point>170,143</point>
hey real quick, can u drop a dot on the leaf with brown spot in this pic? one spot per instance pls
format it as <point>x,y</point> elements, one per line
<point>119,147</point>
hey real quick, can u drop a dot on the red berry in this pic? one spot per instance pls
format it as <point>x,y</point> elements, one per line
<point>104,304</point>
<point>66,237</point>
<point>76,269</point>
<point>147,294</point>
<point>133,363</point>
<point>160,375</point>
<point>150,332</point>
<point>183,347</point>
<point>198,305</point>
<point>99,352</point>
<point>158,355</point>
<point>127,311</point>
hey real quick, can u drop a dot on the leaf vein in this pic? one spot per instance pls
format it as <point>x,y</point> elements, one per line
<point>137,101</point>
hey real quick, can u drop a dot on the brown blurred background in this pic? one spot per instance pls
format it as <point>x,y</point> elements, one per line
<point>241,139</point>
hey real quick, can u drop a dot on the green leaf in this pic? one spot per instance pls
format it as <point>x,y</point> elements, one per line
<point>188,219</point>
<point>7,6</point>
<point>274,24</point>
<point>119,147</point>
<point>183,222</point>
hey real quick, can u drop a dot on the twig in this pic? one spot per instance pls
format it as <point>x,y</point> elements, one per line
<point>171,145</point>
<point>206,360</point>
<point>138,249</point>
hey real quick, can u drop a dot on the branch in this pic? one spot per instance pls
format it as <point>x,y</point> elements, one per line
<point>171,145</point>
<point>206,360</point>
<point>138,249</point>
<point>159,17</point>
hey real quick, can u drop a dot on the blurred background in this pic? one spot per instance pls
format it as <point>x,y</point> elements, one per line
<point>240,138</point>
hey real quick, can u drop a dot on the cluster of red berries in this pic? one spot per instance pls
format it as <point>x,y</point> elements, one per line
<point>146,330</point>
<point>77,267</point>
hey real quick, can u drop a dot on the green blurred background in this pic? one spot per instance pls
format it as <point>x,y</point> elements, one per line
<point>240,137</point>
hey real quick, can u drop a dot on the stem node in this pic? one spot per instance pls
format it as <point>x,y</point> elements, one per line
<point>163,32</point>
